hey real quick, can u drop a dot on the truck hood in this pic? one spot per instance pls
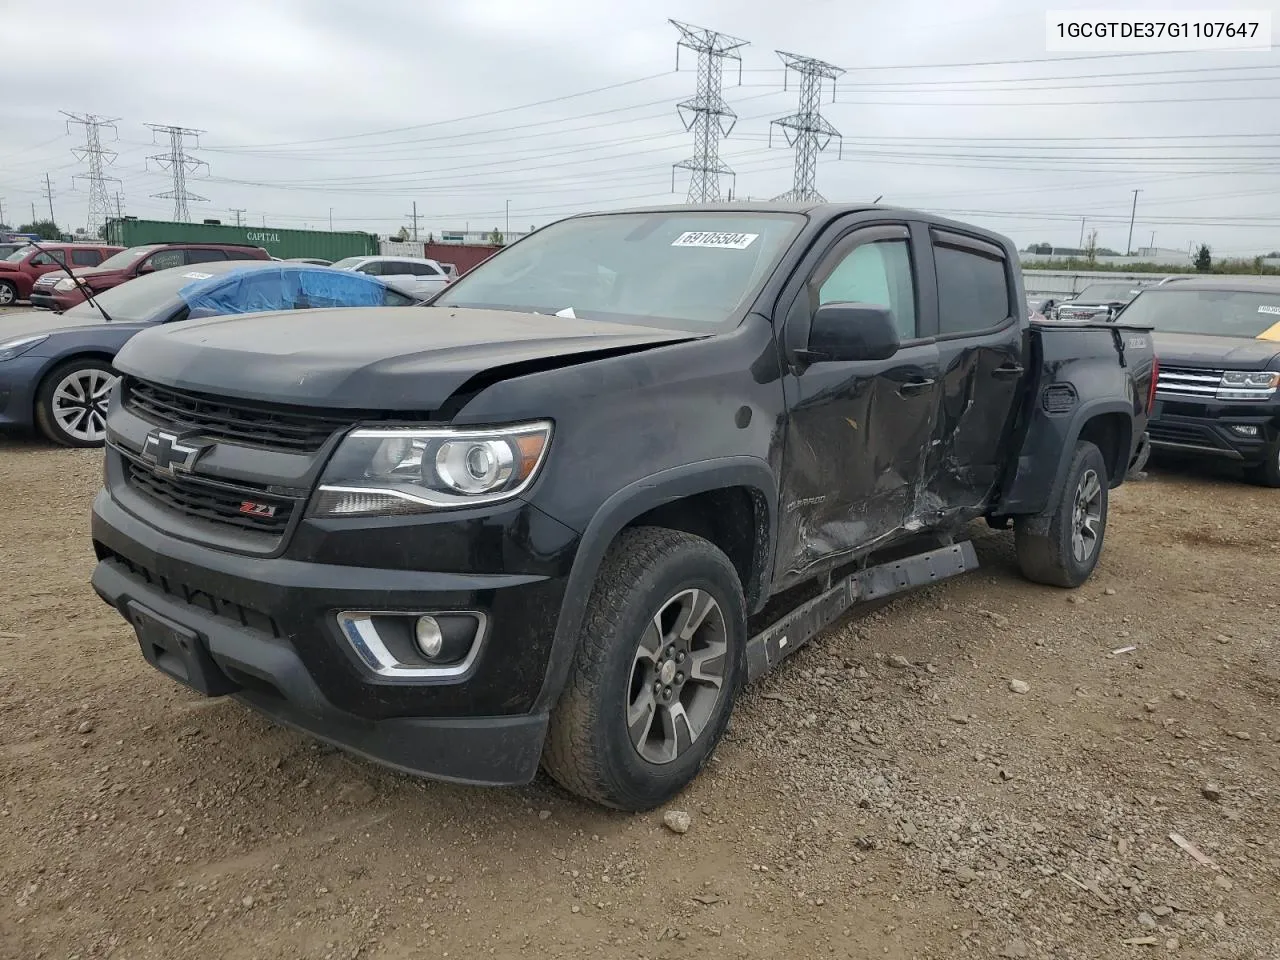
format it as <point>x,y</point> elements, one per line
<point>375,358</point>
<point>1228,353</point>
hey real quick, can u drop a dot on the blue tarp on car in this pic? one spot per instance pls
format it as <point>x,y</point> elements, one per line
<point>279,287</point>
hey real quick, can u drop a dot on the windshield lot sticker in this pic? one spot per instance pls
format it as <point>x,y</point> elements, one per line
<point>727,241</point>
<point>197,276</point>
<point>1265,308</point>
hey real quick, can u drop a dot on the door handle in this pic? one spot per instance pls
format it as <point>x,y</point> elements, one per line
<point>1007,372</point>
<point>912,387</point>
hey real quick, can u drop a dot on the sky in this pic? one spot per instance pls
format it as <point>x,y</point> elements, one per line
<point>329,111</point>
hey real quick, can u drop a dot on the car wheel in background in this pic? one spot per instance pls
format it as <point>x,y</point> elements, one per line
<point>71,405</point>
<point>1267,473</point>
<point>8,294</point>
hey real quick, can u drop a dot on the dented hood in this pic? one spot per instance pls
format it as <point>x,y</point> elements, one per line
<point>377,358</point>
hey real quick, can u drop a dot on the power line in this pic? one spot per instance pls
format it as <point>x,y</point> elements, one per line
<point>97,157</point>
<point>706,114</point>
<point>807,132</point>
<point>179,165</point>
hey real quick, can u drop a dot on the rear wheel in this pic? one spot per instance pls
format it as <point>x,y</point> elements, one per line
<point>8,294</point>
<point>71,405</point>
<point>658,665</point>
<point>1267,473</point>
<point>1060,548</point>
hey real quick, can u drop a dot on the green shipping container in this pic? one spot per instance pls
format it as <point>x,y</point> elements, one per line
<point>285,244</point>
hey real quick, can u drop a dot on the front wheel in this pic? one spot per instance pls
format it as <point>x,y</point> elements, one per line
<point>71,404</point>
<point>1061,548</point>
<point>8,294</point>
<point>657,669</point>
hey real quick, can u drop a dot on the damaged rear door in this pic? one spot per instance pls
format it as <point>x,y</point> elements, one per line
<point>857,433</point>
<point>980,335</point>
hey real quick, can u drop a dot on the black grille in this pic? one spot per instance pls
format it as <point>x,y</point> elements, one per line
<point>218,606</point>
<point>234,421</point>
<point>247,509</point>
<point>1165,431</point>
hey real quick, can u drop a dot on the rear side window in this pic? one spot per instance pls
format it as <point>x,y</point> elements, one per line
<point>423,270</point>
<point>86,258</point>
<point>210,256</point>
<point>973,290</point>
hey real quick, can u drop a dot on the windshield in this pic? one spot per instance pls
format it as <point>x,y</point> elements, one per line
<point>346,263</point>
<point>123,259</point>
<point>19,255</point>
<point>1106,292</point>
<point>679,270</point>
<point>139,300</point>
<point>1217,313</point>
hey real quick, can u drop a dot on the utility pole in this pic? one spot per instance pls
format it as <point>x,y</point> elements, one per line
<point>706,114</point>
<point>48,195</point>
<point>415,220</point>
<point>1153,242</point>
<point>179,165</point>
<point>119,214</point>
<point>1128,250</point>
<point>331,219</point>
<point>237,211</point>
<point>33,211</point>
<point>806,130</point>
<point>1080,245</point>
<point>506,234</point>
<point>1,209</point>
<point>97,158</point>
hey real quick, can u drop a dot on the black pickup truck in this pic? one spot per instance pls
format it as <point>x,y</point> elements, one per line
<point>562,513</point>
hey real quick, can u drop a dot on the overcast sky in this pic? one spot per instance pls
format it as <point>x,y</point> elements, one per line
<point>312,106</point>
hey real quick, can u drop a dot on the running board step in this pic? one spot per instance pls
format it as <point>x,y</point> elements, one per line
<point>770,646</point>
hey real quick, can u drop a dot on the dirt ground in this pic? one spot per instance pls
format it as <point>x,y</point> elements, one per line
<point>885,794</point>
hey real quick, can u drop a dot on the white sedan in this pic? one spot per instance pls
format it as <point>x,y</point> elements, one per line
<point>414,276</point>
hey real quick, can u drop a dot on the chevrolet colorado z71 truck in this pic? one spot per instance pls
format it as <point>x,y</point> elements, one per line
<point>562,513</point>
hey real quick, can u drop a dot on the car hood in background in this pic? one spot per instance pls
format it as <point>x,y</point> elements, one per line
<point>34,323</point>
<point>1199,350</point>
<point>379,358</point>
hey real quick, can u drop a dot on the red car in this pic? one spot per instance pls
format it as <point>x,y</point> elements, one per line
<point>61,292</point>
<point>20,270</point>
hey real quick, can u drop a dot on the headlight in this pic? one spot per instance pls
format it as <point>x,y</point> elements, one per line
<point>1248,384</point>
<point>66,283</point>
<point>408,470</point>
<point>16,348</point>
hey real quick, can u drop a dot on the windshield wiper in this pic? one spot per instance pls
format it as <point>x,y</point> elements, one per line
<point>84,287</point>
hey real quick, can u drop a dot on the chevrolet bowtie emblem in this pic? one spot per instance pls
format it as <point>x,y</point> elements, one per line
<point>172,453</point>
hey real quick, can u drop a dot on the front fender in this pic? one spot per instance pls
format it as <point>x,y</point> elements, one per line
<point>622,508</point>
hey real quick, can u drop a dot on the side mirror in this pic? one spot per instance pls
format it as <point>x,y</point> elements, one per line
<point>852,331</point>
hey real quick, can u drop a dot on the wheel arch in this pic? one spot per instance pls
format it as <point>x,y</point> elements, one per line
<point>1108,424</point>
<point>688,498</point>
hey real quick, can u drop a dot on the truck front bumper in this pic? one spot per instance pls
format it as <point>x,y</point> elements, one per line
<point>1243,431</point>
<point>266,631</point>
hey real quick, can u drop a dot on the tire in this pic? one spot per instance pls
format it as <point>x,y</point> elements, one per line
<point>1047,545</point>
<point>650,576</point>
<point>71,404</point>
<point>8,294</point>
<point>1267,473</point>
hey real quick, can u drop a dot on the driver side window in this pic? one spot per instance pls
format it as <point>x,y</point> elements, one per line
<point>877,272</point>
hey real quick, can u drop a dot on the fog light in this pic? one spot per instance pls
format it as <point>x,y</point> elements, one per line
<point>429,637</point>
<point>1245,429</point>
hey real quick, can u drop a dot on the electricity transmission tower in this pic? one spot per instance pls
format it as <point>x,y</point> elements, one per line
<point>706,114</point>
<point>806,130</point>
<point>179,164</point>
<point>97,157</point>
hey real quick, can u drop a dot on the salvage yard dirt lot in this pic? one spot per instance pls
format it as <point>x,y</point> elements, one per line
<point>884,794</point>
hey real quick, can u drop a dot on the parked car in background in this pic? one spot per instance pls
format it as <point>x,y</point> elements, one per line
<point>1041,307</point>
<point>55,369</point>
<point>314,261</point>
<point>9,246</point>
<point>22,269</point>
<point>60,292</point>
<point>415,276</point>
<point>1218,339</point>
<point>1097,301</point>
<point>451,270</point>
<point>614,472</point>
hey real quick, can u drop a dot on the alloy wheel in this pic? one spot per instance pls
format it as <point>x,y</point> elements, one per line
<point>1086,517</point>
<point>677,676</point>
<point>80,404</point>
